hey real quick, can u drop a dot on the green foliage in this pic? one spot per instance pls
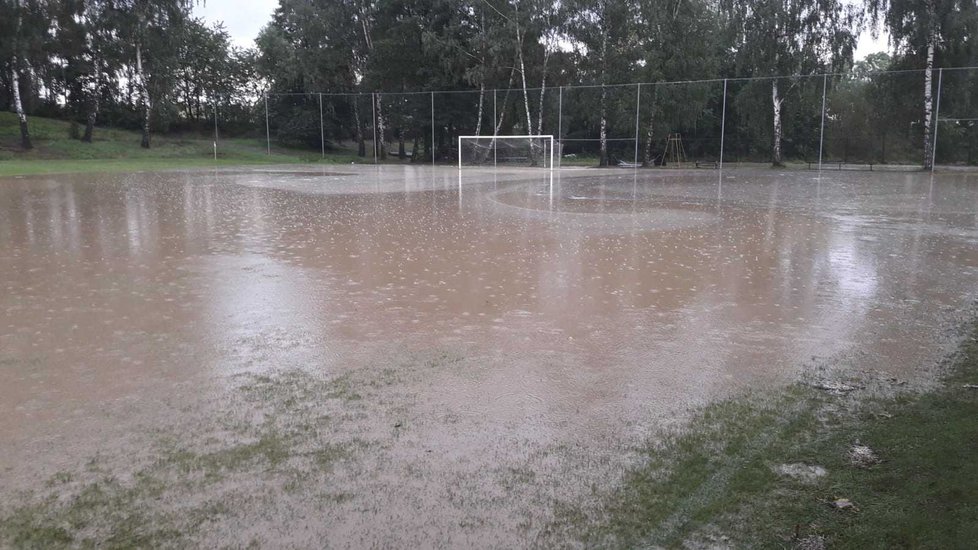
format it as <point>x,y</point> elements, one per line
<point>77,61</point>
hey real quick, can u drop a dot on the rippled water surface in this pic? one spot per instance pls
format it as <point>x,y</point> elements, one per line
<point>488,323</point>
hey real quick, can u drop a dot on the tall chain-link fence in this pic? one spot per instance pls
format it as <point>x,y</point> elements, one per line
<point>874,121</point>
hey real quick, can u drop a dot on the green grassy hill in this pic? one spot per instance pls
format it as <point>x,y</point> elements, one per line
<point>118,150</point>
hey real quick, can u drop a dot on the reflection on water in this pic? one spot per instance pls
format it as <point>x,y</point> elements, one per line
<point>392,255</point>
<point>596,299</point>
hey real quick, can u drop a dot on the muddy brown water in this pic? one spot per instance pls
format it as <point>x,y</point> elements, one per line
<point>487,345</point>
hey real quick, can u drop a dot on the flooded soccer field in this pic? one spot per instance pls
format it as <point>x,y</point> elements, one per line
<point>413,356</point>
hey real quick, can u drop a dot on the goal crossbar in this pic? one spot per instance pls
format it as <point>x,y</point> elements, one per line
<point>494,138</point>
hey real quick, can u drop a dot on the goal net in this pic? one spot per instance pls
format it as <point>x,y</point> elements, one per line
<point>517,151</point>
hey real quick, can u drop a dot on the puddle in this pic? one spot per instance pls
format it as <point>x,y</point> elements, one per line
<point>502,339</point>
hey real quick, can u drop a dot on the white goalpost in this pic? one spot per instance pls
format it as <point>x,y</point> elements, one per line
<point>536,151</point>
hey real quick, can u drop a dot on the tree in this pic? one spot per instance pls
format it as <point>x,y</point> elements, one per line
<point>678,42</point>
<point>604,35</point>
<point>98,41</point>
<point>21,34</point>
<point>919,28</point>
<point>145,23</point>
<point>789,37</point>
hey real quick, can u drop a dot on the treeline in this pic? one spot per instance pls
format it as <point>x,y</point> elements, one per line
<point>511,65</point>
<point>143,64</point>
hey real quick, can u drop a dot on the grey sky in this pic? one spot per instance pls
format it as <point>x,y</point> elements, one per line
<point>244,18</point>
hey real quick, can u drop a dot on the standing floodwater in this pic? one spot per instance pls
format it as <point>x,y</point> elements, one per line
<point>371,355</point>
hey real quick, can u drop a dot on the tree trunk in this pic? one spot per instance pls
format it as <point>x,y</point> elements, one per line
<point>478,121</point>
<point>543,90</point>
<point>381,143</point>
<point>526,93</point>
<point>90,125</point>
<point>415,146</point>
<point>647,159</point>
<point>929,96</point>
<point>776,101</point>
<point>498,124</point>
<point>358,124</point>
<point>25,135</point>
<point>401,152</point>
<point>143,95</point>
<point>603,133</point>
<point>93,102</point>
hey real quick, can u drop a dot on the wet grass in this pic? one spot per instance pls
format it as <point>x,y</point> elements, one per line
<point>148,510</point>
<point>188,479</point>
<point>113,150</point>
<point>105,513</point>
<point>715,482</point>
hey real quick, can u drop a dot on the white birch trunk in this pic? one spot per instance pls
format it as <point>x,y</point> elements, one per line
<point>25,135</point>
<point>603,133</point>
<point>776,101</point>
<point>526,93</point>
<point>647,159</point>
<point>543,89</point>
<point>498,124</point>
<point>482,95</point>
<point>929,100</point>
<point>358,125</point>
<point>381,142</point>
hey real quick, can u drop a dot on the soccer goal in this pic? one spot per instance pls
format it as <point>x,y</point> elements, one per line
<point>518,151</point>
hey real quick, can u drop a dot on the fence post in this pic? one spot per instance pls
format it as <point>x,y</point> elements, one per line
<point>937,119</point>
<point>373,108</point>
<point>638,105</point>
<point>322,130</point>
<point>723,122</point>
<point>494,160</point>
<point>268,134</point>
<point>215,129</point>
<point>560,127</point>
<point>432,128</point>
<point>821,134</point>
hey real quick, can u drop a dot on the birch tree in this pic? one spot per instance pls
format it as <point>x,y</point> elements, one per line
<point>604,36</point>
<point>138,23</point>
<point>15,56</point>
<point>918,28</point>
<point>789,37</point>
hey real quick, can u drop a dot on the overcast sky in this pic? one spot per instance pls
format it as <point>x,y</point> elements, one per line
<point>244,18</point>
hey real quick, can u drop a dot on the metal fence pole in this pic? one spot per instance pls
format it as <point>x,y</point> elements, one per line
<point>821,134</point>
<point>322,130</point>
<point>373,107</point>
<point>494,161</point>
<point>494,112</point>
<point>268,134</point>
<point>432,128</point>
<point>638,106</point>
<point>937,119</point>
<point>215,129</point>
<point>723,122</point>
<point>560,127</point>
